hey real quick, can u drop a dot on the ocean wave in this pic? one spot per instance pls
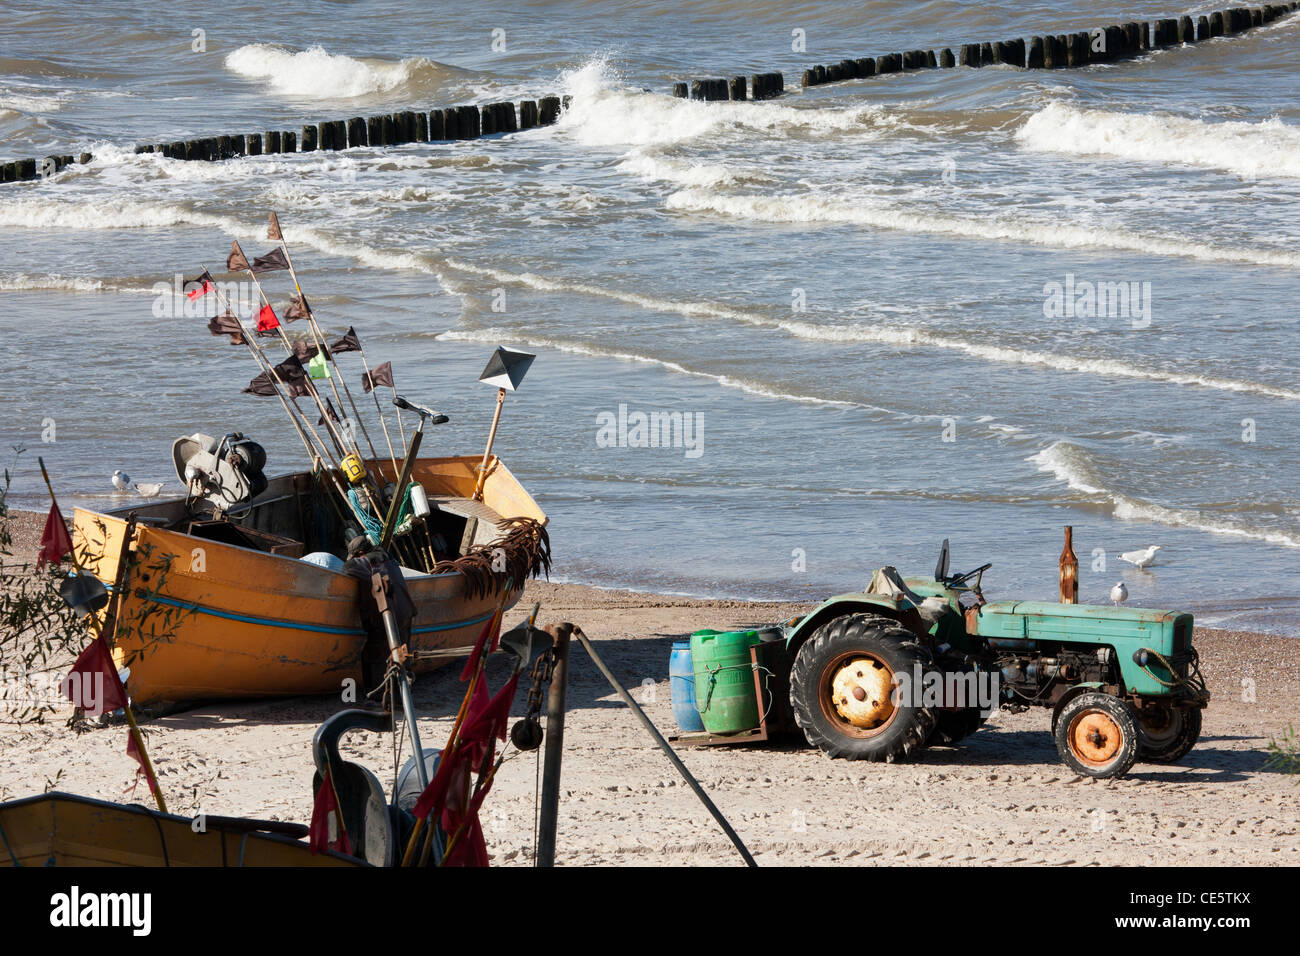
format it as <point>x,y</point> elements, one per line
<point>318,74</point>
<point>11,102</point>
<point>686,173</point>
<point>21,282</point>
<point>914,337</point>
<point>1251,150</point>
<point>496,336</point>
<point>1071,464</point>
<point>812,209</point>
<point>603,113</point>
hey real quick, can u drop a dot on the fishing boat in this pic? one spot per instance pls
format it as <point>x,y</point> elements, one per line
<point>64,829</point>
<point>255,601</point>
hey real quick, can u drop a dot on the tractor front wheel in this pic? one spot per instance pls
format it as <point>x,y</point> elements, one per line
<point>1167,733</point>
<point>1097,735</point>
<point>844,689</point>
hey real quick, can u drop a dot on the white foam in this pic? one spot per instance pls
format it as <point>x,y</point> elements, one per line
<point>1068,463</point>
<point>29,103</point>
<point>21,282</point>
<point>496,336</point>
<point>813,209</point>
<point>318,74</point>
<point>604,113</point>
<point>907,336</point>
<point>1251,150</point>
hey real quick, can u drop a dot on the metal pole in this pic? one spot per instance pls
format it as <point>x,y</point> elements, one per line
<point>403,687</point>
<point>664,746</point>
<point>550,808</point>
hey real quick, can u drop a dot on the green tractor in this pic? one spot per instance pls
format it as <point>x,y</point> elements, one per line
<point>913,663</point>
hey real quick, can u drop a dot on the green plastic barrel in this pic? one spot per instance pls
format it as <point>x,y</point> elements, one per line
<point>724,680</point>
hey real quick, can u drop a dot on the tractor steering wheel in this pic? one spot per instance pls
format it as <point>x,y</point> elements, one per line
<point>960,579</point>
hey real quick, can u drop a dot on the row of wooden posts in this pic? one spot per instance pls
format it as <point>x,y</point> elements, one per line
<point>763,86</point>
<point>389,129</point>
<point>1099,45</point>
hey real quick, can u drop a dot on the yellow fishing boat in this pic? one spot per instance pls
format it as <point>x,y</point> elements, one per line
<point>254,600</point>
<point>63,829</point>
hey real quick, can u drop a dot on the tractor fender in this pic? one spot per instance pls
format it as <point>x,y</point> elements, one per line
<point>841,605</point>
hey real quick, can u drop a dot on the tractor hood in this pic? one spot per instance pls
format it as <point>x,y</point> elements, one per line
<point>1085,623</point>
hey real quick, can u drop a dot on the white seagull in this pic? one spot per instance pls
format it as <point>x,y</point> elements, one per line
<point>1143,558</point>
<point>149,489</point>
<point>1118,594</point>
<point>121,480</point>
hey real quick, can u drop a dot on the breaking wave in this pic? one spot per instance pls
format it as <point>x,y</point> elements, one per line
<point>821,210</point>
<point>603,113</point>
<point>914,337</point>
<point>1268,148</point>
<point>1069,463</point>
<point>318,74</point>
<point>21,282</point>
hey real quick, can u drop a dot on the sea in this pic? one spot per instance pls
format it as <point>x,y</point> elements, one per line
<point>779,344</point>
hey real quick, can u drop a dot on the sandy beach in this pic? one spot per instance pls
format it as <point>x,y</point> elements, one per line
<point>1001,797</point>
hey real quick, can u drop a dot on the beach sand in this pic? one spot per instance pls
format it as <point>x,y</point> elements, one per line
<point>1000,797</point>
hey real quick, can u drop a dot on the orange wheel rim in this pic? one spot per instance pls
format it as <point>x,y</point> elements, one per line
<point>1095,738</point>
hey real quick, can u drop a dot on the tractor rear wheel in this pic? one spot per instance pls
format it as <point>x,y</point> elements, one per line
<point>844,689</point>
<point>1167,733</point>
<point>1097,735</point>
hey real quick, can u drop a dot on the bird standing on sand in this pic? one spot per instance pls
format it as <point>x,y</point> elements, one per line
<point>1118,594</point>
<point>121,480</point>
<point>149,489</point>
<point>1143,558</point>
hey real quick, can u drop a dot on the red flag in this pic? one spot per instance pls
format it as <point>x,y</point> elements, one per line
<point>204,286</point>
<point>93,684</point>
<point>491,718</point>
<point>326,831</point>
<point>55,542</point>
<point>266,320</point>
<point>133,751</point>
<point>489,636</point>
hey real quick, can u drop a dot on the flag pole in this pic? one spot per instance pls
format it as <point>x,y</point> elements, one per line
<point>94,624</point>
<point>382,421</point>
<point>487,452</point>
<point>262,360</point>
<point>320,339</point>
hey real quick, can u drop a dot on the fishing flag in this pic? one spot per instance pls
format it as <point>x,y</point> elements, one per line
<point>266,320</point>
<point>273,261</point>
<point>298,307</point>
<point>329,407</point>
<point>319,367</point>
<point>304,349</point>
<point>488,637</point>
<point>133,751</point>
<point>327,831</point>
<point>227,324</point>
<point>273,229</point>
<point>55,542</point>
<point>290,372</point>
<point>203,286</point>
<point>348,342</point>
<point>92,684</point>
<point>236,262</point>
<point>379,375</point>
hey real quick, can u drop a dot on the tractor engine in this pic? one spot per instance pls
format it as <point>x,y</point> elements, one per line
<point>1047,673</point>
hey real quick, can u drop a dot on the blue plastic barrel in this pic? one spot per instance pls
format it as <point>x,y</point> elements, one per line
<point>681,686</point>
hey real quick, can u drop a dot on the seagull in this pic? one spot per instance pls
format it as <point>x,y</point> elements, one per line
<point>1141,558</point>
<point>149,489</point>
<point>1118,594</point>
<point>121,480</point>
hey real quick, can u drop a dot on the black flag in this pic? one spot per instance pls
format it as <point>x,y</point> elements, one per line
<point>334,416</point>
<point>379,375</point>
<point>290,372</point>
<point>235,262</point>
<point>227,324</point>
<point>348,342</point>
<point>298,307</point>
<point>273,261</point>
